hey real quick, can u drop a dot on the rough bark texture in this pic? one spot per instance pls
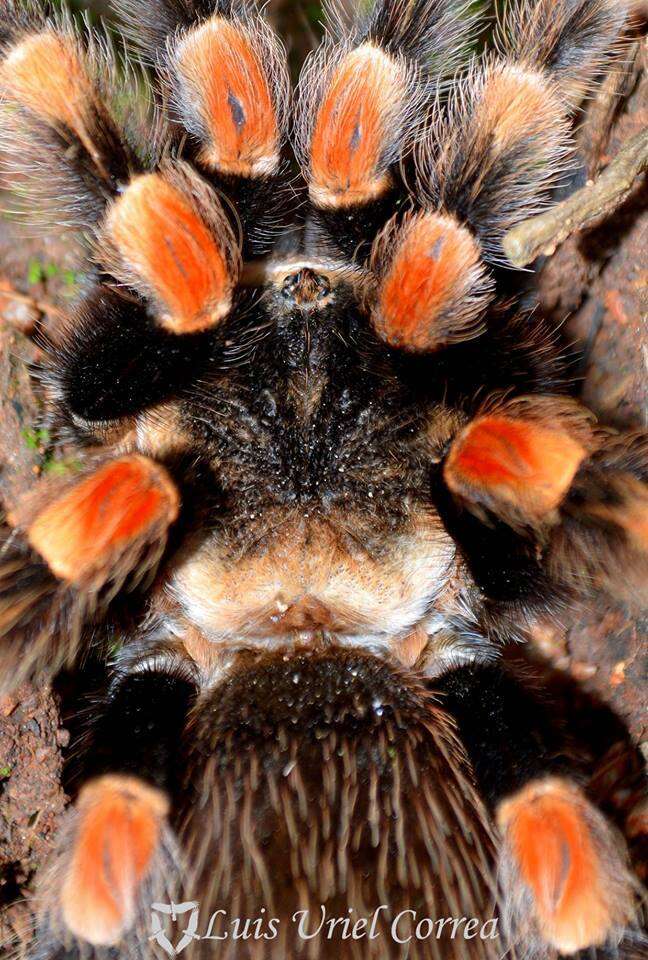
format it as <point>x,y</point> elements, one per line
<point>599,280</point>
<point>32,799</point>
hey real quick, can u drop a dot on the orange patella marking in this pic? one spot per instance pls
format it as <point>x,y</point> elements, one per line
<point>45,74</point>
<point>553,846</point>
<point>162,239</point>
<point>516,103</point>
<point>102,515</point>
<point>423,294</point>
<point>117,836</point>
<point>224,74</point>
<point>519,461</point>
<point>352,128</point>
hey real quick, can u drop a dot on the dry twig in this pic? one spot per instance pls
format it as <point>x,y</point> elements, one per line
<point>585,208</point>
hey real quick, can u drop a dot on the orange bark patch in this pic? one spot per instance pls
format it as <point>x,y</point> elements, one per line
<point>551,839</point>
<point>122,503</point>
<point>118,833</point>
<point>162,239</point>
<point>518,462</point>
<point>223,73</point>
<point>354,126</point>
<point>434,286</point>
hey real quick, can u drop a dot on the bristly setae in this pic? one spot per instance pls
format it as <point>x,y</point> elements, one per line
<point>331,467</point>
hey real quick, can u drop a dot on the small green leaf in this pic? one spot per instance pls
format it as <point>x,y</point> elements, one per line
<point>34,271</point>
<point>5,772</point>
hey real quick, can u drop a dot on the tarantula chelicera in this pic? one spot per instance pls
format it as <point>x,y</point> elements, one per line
<point>331,466</point>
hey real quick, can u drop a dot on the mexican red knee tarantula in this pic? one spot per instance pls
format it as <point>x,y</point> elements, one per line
<point>331,467</point>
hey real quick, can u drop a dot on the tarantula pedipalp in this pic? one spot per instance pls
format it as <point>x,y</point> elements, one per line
<point>331,469</point>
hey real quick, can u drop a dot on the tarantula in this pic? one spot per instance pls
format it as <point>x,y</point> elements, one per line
<point>331,466</point>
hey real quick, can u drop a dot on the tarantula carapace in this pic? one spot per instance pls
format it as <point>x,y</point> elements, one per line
<point>331,466</point>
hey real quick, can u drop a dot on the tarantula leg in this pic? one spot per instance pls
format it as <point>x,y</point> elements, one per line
<point>519,461</point>
<point>601,541</point>
<point>224,76</point>
<point>114,361</point>
<point>119,854</point>
<point>561,857</point>
<point>222,79</point>
<point>504,142</point>
<point>538,466</point>
<point>360,98</point>
<point>228,83</point>
<point>68,555</point>
<point>362,102</point>
<point>354,127</point>
<point>434,287</point>
<point>61,143</point>
<point>571,40</point>
<point>100,527</point>
<point>119,821</point>
<point>563,878</point>
<point>357,130</point>
<point>501,146</point>
<point>168,237</point>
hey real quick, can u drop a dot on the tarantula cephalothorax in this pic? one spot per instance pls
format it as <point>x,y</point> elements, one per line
<point>330,469</point>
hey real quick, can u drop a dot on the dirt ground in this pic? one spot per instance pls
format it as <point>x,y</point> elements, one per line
<point>595,287</point>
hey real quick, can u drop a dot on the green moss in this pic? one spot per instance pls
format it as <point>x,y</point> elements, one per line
<point>40,440</point>
<point>70,278</point>
<point>39,272</point>
<point>314,13</point>
<point>34,271</point>
<point>36,439</point>
<point>58,468</point>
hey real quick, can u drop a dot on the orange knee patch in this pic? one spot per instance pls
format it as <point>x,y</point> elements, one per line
<point>555,840</point>
<point>125,502</point>
<point>515,105</point>
<point>626,508</point>
<point>225,82</point>
<point>509,462</point>
<point>117,835</point>
<point>435,286</point>
<point>45,73</point>
<point>170,247</point>
<point>354,127</point>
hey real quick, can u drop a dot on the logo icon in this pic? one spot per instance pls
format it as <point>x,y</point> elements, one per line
<point>174,910</point>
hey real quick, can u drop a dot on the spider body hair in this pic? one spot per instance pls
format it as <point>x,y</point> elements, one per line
<point>332,465</point>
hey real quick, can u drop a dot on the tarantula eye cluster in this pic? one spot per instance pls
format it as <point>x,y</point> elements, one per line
<point>330,466</point>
